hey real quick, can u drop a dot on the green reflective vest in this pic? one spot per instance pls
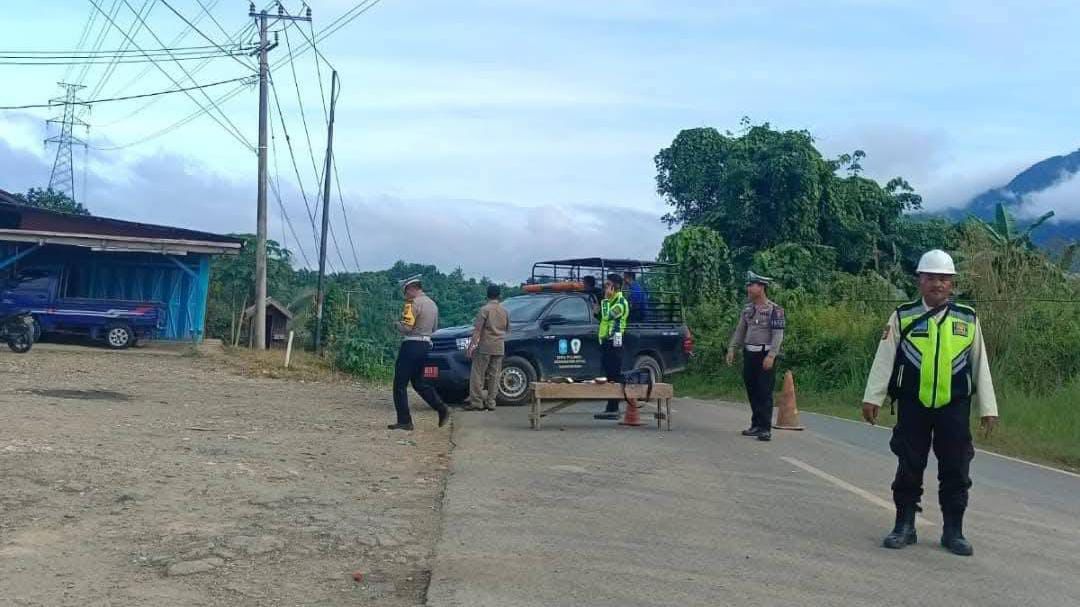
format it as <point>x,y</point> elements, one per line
<point>933,362</point>
<point>614,314</point>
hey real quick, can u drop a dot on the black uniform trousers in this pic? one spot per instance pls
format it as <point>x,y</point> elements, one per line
<point>947,429</point>
<point>611,357</point>
<point>410,368</point>
<point>759,388</point>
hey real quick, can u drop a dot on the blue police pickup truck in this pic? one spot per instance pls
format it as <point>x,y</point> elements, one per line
<point>117,323</point>
<point>554,332</point>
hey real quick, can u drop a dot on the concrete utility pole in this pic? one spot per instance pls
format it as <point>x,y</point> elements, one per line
<point>325,213</point>
<point>264,20</point>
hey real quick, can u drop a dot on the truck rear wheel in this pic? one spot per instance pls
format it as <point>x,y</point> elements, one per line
<point>514,380</point>
<point>119,336</point>
<point>646,361</point>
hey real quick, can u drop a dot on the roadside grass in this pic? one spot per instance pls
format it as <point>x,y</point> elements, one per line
<point>1039,427</point>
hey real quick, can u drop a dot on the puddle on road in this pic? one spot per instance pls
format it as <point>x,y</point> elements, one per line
<point>80,394</point>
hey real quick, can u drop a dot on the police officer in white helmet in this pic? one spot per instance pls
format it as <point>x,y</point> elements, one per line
<point>932,361</point>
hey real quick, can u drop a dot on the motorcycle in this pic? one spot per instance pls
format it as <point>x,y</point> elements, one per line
<point>18,331</point>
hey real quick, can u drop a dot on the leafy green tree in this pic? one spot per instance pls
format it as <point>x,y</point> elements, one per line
<point>51,200</point>
<point>703,264</point>
<point>232,286</point>
<point>765,187</point>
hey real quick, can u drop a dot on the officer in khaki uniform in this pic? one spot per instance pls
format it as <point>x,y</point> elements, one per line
<point>759,333</point>
<point>486,349</point>
<point>932,360</point>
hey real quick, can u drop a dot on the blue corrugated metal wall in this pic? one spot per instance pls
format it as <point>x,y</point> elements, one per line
<point>181,284</point>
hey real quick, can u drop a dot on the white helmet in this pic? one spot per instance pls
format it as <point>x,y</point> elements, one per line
<point>936,261</point>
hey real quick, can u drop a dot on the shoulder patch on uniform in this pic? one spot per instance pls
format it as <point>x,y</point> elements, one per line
<point>885,333</point>
<point>776,318</point>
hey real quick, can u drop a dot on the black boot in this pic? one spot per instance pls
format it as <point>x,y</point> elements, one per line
<point>752,431</point>
<point>952,537</point>
<point>904,531</point>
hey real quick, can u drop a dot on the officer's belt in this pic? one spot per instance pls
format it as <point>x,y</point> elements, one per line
<point>755,348</point>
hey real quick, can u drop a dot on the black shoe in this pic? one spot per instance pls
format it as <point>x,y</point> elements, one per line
<point>952,537</point>
<point>765,436</point>
<point>444,416</point>
<point>752,431</point>
<point>408,427</point>
<point>903,533</point>
<point>606,415</point>
<point>471,408</point>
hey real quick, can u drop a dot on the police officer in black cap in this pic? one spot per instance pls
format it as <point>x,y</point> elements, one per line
<point>759,333</point>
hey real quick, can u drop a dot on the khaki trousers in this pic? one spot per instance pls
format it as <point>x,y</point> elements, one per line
<point>484,379</point>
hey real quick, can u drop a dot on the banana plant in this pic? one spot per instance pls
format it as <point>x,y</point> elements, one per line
<point>1003,230</point>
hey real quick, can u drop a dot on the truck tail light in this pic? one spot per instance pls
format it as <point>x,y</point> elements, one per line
<point>688,343</point>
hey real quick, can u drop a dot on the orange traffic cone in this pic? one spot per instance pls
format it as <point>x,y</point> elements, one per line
<point>787,414</point>
<point>632,417</point>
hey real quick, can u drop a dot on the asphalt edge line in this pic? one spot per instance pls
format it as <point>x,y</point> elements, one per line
<point>983,451</point>
<point>866,495</point>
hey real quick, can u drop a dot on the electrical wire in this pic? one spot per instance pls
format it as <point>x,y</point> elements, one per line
<point>199,31</point>
<point>128,97</point>
<point>234,131</point>
<point>147,6</point>
<point>174,126</point>
<point>295,165</point>
<point>110,62</point>
<point>348,230</point>
<point>179,37</point>
<point>82,38</point>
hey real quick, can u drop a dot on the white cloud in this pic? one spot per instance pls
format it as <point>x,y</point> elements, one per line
<point>500,240</point>
<point>1063,198</point>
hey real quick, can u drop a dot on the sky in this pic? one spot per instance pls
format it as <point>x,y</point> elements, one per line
<point>487,134</point>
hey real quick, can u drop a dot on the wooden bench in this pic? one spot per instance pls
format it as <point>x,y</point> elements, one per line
<point>567,395</point>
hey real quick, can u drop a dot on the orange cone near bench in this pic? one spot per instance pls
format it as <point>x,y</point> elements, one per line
<point>787,412</point>
<point>632,417</point>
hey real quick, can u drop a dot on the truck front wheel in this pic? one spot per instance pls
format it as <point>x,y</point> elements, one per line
<point>514,380</point>
<point>119,336</point>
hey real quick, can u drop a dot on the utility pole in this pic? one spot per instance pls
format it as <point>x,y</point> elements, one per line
<point>62,177</point>
<point>264,20</point>
<point>325,213</point>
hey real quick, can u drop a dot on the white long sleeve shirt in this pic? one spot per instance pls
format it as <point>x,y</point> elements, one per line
<point>877,385</point>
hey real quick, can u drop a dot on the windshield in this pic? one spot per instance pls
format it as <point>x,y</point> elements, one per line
<point>526,308</point>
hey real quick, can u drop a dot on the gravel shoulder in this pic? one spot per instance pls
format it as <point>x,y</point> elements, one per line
<point>157,478</point>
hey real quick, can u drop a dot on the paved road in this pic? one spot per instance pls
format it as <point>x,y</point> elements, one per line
<point>582,513</point>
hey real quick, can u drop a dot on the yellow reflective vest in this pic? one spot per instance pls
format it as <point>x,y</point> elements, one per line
<point>933,362</point>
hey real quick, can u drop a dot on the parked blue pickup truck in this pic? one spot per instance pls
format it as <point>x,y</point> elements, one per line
<point>118,323</point>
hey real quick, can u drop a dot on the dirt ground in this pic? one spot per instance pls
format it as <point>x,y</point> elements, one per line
<point>143,478</point>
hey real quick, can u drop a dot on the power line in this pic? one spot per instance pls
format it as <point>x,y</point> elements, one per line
<point>225,116</point>
<point>174,126</point>
<point>83,36</point>
<point>329,30</point>
<point>147,6</point>
<point>199,31</point>
<point>238,36</point>
<point>101,35</point>
<point>348,230</point>
<point>176,40</point>
<point>77,54</point>
<point>55,103</point>
<point>292,157</point>
<point>227,96</point>
<point>85,62</point>
<point>236,134</point>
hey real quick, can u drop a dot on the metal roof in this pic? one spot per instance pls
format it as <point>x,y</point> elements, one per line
<point>21,223</point>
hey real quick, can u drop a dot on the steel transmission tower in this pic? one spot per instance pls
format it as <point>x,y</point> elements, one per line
<point>62,178</point>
